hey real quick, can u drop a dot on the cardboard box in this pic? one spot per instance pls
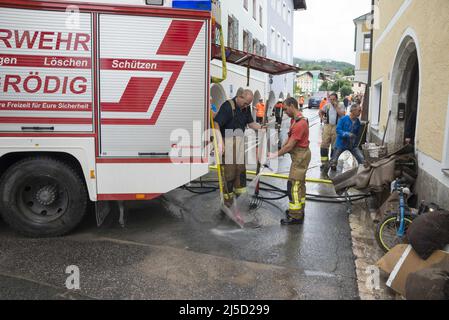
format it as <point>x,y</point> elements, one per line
<point>402,260</point>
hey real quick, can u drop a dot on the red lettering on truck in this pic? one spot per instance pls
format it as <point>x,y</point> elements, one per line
<point>13,81</point>
<point>25,36</point>
<point>35,83</point>
<point>45,40</point>
<point>5,38</point>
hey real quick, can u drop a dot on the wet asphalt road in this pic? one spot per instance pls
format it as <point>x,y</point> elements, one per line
<point>181,247</point>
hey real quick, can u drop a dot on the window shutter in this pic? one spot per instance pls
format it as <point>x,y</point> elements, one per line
<point>250,42</point>
<point>231,23</point>
<point>236,34</point>
<point>263,50</point>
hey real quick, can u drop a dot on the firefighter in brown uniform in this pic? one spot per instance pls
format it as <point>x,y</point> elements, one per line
<point>231,120</point>
<point>298,147</point>
<point>330,114</point>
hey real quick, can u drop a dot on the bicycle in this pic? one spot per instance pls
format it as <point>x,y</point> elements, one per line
<point>392,230</point>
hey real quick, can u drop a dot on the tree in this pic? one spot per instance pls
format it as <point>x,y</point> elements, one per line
<point>297,90</point>
<point>340,83</point>
<point>346,91</point>
<point>324,86</point>
<point>348,72</point>
<point>335,86</point>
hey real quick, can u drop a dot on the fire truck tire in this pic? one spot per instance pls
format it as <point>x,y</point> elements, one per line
<point>42,197</point>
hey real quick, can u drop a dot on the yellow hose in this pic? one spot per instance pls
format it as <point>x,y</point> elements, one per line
<point>280,176</point>
<point>217,157</point>
<point>223,59</point>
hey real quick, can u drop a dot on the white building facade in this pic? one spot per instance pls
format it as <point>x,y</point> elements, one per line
<point>280,35</point>
<point>244,26</point>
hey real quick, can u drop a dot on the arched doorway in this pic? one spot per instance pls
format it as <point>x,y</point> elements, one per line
<point>218,95</point>
<point>405,94</point>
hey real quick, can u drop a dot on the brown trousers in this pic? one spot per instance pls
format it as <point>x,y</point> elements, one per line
<point>297,181</point>
<point>329,137</point>
<point>234,167</point>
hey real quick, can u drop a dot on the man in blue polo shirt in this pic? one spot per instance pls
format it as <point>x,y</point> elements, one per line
<point>348,129</point>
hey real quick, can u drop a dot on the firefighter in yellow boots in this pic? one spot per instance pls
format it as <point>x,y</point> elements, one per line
<point>298,147</point>
<point>231,120</point>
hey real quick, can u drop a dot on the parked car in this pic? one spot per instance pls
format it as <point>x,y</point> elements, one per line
<point>314,102</point>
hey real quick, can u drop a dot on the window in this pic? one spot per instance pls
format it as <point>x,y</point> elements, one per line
<point>245,41</point>
<point>255,9</point>
<point>289,52</point>
<point>279,7</point>
<point>263,50</point>
<point>366,42</point>
<point>377,105</point>
<point>233,32</point>
<point>261,16</point>
<point>289,17</point>
<point>273,40</point>
<point>230,32</point>
<point>255,46</point>
<point>245,4</point>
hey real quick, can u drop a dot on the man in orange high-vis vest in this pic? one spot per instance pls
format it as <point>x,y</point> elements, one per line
<point>260,111</point>
<point>323,103</point>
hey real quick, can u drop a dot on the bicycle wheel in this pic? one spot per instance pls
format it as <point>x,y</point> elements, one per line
<point>386,233</point>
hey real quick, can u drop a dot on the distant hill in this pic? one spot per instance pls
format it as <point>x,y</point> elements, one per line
<point>322,64</point>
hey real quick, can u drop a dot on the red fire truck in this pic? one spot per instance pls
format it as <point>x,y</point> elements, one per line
<point>90,94</point>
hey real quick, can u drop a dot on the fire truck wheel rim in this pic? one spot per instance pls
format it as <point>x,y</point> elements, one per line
<point>42,199</point>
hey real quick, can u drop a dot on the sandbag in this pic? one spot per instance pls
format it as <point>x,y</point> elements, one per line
<point>429,232</point>
<point>428,284</point>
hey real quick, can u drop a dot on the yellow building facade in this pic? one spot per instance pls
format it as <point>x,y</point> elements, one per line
<point>410,86</point>
<point>362,48</point>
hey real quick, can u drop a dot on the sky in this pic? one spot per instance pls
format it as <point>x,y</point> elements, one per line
<point>326,29</point>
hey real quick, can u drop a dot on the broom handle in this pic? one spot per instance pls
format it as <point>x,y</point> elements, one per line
<point>386,128</point>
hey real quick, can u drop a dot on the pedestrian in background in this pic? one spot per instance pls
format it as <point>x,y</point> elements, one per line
<point>346,102</point>
<point>260,111</point>
<point>322,104</point>
<point>330,114</point>
<point>278,112</point>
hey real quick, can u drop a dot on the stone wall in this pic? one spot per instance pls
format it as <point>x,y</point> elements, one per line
<point>432,190</point>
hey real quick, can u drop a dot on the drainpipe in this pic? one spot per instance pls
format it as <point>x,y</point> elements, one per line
<point>370,70</point>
